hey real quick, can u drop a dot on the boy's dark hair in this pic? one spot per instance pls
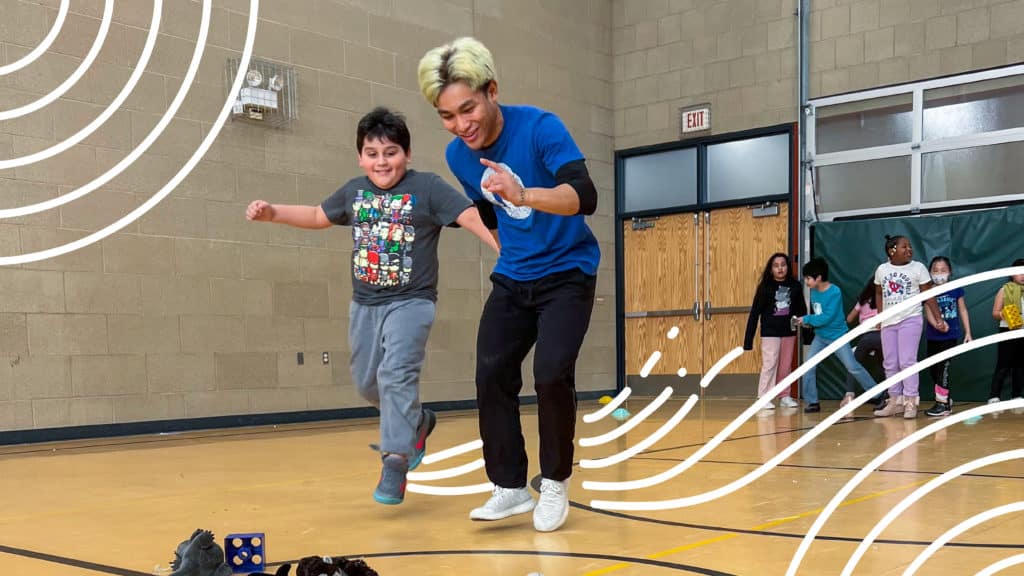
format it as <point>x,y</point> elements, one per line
<point>381,124</point>
<point>816,268</point>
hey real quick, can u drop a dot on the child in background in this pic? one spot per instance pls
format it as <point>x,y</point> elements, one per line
<point>953,310</point>
<point>829,325</point>
<point>1010,354</point>
<point>870,344</point>
<point>778,297</point>
<point>901,278</point>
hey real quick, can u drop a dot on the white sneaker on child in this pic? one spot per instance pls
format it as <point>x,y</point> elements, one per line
<point>553,508</point>
<point>788,402</point>
<point>504,502</point>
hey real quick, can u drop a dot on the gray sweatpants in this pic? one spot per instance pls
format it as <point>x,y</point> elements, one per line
<point>389,344</point>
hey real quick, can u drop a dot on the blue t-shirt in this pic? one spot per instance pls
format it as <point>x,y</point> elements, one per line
<point>533,145</point>
<point>950,313</point>
<point>826,315</point>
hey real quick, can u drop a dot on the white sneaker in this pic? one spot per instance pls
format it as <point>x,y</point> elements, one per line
<point>788,402</point>
<point>769,406</point>
<point>993,400</point>
<point>553,507</point>
<point>504,502</point>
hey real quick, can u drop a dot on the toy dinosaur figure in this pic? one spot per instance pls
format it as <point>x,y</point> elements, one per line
<point>199,556</point>
<point>327,566</point>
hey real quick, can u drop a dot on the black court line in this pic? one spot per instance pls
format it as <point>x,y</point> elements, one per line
<point>849,468</point>
<point>712,528</point>
<point>71,562</point>
<point>608,557</point>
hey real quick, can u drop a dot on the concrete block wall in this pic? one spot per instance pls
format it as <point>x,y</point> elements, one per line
<point>191,311</point>
<point>871,43</point>
<point>739,56</point>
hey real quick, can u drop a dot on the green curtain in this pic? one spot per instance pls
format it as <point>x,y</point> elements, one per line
<point>973,241</point>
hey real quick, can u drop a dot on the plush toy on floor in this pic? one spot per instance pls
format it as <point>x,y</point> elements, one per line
<point>200,555</point>
<point>327,566</point>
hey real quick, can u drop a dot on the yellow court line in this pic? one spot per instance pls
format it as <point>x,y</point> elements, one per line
<point>765,526</point>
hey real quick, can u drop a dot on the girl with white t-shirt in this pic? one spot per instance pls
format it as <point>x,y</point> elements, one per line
<point>1010,353</point>
<point>901,278</point>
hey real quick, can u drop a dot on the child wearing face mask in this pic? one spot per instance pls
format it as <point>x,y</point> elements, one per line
<point>953,311</point>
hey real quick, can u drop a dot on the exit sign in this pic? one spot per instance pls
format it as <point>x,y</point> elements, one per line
<point>696,119</point>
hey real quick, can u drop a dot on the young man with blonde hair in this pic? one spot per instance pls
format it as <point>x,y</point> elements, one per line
<point>528,178</point>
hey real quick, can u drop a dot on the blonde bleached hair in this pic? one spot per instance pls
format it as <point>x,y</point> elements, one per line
<point>464,60</point>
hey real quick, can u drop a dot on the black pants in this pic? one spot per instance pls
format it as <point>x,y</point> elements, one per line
<point>940,372</point>
<point>552,312</point>
<point>1009,362</point>
<point>868,347</point>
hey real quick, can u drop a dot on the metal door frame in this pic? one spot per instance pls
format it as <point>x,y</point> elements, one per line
<point>702,206</point>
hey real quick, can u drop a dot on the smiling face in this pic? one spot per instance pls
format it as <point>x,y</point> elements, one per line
<point>472,115</point>
<point>384,162</point>
<point>902,253</point>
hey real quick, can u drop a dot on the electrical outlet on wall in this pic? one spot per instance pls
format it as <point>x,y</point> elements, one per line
<point>327,357</point>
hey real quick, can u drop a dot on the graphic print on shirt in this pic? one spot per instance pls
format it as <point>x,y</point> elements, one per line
<point>896,287</point>
<point>947,306</point>
<point>516,212</point>
<point>382,238</point>
<point>782,301</point>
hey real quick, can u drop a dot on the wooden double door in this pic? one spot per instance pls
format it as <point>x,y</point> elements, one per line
<point>689,282</point>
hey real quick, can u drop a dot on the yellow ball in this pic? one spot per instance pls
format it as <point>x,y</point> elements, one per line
<point>604,399</point>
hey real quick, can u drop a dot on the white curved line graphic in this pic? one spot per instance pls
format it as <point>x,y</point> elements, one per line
<point>143,146</point>
<point>453,451</point>
<point>114,106</point>
<point>43,46</point>
<point>646,442</point>
<point>958,530</point>
<point>446,473</point>
<point>449,490</point>
<point>720,365</point>
<point>148,205</point>
<point>631,423</point>
<point>896,448</point>
<point>909,501</point>
<point>1003,564</point>
<point>650,364</point>
<point>786,382</point>
<point>94,51</point>
<point>609,407</point>
<point>780,457</point>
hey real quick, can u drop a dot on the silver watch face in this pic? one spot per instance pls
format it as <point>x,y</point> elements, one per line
<point>253,78</point>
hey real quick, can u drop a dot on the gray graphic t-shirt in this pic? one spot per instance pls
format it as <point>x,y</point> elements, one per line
<point>395,234</point>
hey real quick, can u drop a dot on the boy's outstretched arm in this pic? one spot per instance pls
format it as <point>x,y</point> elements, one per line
<point>312,217</point>
<point>470,220</point>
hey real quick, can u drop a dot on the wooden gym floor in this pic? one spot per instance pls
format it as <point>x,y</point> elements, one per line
<point>120,506</point>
